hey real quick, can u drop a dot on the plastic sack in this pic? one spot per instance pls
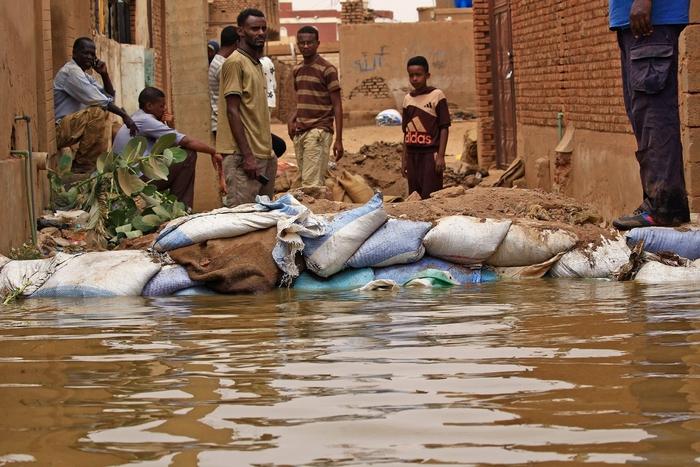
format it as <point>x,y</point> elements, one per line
<point>525,245</point>
<point>432,278</point>
<point>593,262</point>
<point>464,239</point>
<point>29,275</point>
<point>101,274</point>
<point>657,239</point>
<point>658,273</point>
<point>405,272</point>
<point>347,280</point>
<point>355,186</point>
<point>327,254</point>
<point>195,291</point>
<point>396,242</point>
<point>219,223</point>
<point>388,117</point>
<point>169,280</point>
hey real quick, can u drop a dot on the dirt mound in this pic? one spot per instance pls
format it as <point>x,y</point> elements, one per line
<point>549,209</point>
<point>380,164</point>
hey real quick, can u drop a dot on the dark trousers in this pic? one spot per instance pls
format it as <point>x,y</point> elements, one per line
<point>422,176</point>
<point>180,180</point>
<point>650,85</point>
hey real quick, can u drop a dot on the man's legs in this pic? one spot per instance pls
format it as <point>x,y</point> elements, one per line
<point>650,80</point>
<point>180,180</point>
<point>422,177</point>
<point>242,189</point>
<point>86,127</point>
<point>313,151</point>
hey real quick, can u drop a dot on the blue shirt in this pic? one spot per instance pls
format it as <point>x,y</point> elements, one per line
<point>662,12</point>
<point>149,127</point>
<point>73,90</point>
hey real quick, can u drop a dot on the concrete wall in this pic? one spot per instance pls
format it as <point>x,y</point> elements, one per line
<point>373,64</point>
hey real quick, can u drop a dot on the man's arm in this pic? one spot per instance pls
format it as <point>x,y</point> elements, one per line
<point>233,105</point>
<point>337,103</point>
<point>404,169</point>
<point>440,156</point>
<point>133,129</point>
<point>101,68</point>
<point>640,18</point>
<point>217,161</point>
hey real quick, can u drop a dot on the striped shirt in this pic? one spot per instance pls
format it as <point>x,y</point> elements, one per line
<point>214,74</point>
<point>314,84</point>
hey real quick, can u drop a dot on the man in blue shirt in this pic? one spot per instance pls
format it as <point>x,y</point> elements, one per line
<point>81,106</point>
<point>647,33</point>
<point>150,122</point>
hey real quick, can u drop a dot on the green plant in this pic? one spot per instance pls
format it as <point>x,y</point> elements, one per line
<point>118,196</point>
<point>12,294</point>
<point>26,251</point>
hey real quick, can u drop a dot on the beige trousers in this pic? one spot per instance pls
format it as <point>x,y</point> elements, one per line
<point>86,128</point>
<point>313,150</point>
<point>242,189</point>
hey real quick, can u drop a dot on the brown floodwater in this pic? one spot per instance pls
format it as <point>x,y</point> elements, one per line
<point>547,372</point>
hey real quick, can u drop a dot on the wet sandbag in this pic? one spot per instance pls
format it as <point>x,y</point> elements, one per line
<point>101,274</point>
<point>685,244</point>
<point>347,280</point>
<point>345,234</point>
<point>593,262</point>
<point>396,242</point>
<point>28,275</point>
<point>526,244</point>
<point>169,280</point>
<point>654,272</point>
<point>355,187</point>
<point>465,239</point>
<point>403,273</point>
<point>194,292</point>
<point>242,264</point>
<point>219,223</point>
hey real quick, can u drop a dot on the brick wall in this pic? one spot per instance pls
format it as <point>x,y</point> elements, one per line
<point>690,104</point>
<point>224,12</point>
<point>484,84</point>
<point>158,43</point>
<point>565,60</point>
<point>354,12</point>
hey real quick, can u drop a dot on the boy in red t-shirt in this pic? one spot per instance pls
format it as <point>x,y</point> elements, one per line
<point>426,122</point>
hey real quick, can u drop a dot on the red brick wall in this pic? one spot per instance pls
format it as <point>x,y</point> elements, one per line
<point>484,85</point>
<point>158,43</point>
<point>566,60</point>
<point>224,12</point>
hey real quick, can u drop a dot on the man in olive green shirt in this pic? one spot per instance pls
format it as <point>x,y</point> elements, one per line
<point>243,137</point>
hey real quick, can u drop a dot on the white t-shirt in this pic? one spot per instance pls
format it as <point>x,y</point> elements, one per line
<point>214,72</point>
<point>270,81</point>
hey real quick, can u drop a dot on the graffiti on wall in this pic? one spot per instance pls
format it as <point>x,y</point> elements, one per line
<point>371,61</point>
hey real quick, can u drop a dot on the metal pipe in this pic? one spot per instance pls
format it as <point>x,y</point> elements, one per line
<point>28,174</point>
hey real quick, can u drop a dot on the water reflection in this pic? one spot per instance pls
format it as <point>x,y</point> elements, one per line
<point>511,373</point>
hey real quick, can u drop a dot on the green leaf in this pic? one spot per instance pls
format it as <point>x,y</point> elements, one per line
<point>154,170</point>
<point>176,154</point>
<point>105,162</point>
<point>149,190</point>
<point>164,142</point>
<point>134,148</point>
<point>133,234</point>
<point>123,228</point>
<point>163,213</point>
<point>128,182</point>
<point>138,224</point>
<point>152,220</point>
<point>64,164</point>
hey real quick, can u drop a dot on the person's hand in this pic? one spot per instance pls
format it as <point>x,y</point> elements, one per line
<point>439,163</point>
<point>250,166</point>
<point>292,129</point>
<point>168,117</point>
<point>99,66</point>
<point>404,168</point>
<point>640,18</point>
<point>217,160</point>
<point>338,150</point>
<point>133,129</point>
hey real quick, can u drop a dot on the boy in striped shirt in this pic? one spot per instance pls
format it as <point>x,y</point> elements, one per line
<point>318,105</point>
<point>426,122</point>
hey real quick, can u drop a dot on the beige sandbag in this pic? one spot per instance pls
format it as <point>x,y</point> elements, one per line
<point>527,244</point>
<point>337,190</point>
<point>356,187</point>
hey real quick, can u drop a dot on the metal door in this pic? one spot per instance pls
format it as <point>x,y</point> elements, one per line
<point>503,83</point>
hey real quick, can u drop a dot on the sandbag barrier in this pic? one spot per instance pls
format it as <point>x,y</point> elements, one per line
<point>356,249</point>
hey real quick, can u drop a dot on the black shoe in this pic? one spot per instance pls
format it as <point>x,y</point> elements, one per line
<point>643,219</point>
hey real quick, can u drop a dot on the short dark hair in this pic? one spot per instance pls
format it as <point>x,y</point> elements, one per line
<point>419,61</point>
<point>243,15</point>
<point>80,42</point>
<point>308,30</point>
<point>149,95</point>
<point>229,36</point>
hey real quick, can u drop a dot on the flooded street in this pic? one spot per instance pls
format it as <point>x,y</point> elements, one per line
<point>548,372</point>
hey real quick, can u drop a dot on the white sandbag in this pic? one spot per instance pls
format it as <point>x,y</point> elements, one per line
<point>684,243</point>
<point>528,244</point>
<point>658,273</point>
<point>29,275</point>
<point>101,274</point>
<point>219,223</point>
<point>593,262</point>
<point>3,261</point>
<point>464,239</point>
<point>327,254</point>
<point>171,278</point>
<point>396,242</point>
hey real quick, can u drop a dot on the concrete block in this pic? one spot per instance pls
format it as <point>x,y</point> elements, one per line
<point>689,59</point>
<point>694,202</point>
<point>691,144</point>
<point>695,12</point>
<point>690,109</point>
<point>692,178</point>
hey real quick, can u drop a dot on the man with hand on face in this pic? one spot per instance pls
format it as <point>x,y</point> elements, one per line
<point>81,106</point>
<point>243,136</point>
<point>318,105</point>
<point>151,120</point>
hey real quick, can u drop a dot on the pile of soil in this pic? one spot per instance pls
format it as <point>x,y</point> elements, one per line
<point>548,209</point>
<point>380,165</point>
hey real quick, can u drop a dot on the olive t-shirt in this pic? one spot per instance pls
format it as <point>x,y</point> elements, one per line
<point>242,75</point>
